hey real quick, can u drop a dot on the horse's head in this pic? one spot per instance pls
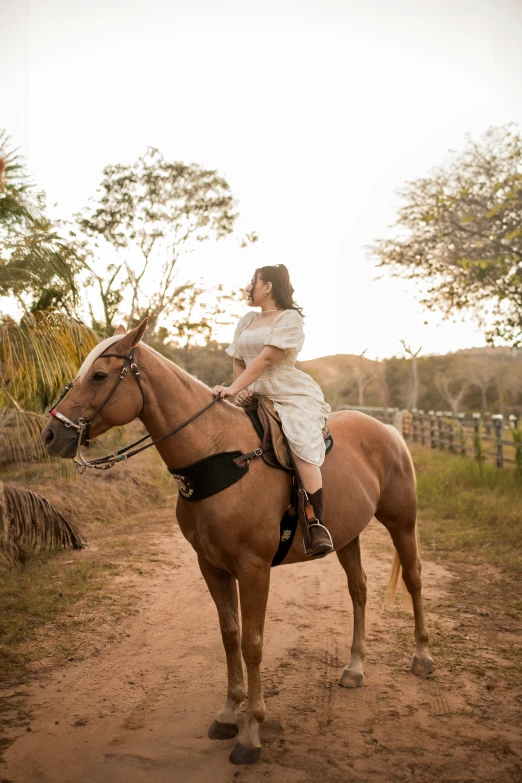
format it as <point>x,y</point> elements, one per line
<point>107,393</point>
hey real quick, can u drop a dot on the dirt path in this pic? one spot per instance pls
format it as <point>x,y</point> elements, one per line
<point>139,711</point>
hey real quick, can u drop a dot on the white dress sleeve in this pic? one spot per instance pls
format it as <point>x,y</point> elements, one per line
<point>233,348</point>
<point>287,332</point>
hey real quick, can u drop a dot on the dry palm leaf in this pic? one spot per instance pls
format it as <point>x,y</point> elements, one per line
<point>30,523</point>
<point>40,355</point>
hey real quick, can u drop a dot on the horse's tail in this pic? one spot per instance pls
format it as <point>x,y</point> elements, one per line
<point>395,582</point>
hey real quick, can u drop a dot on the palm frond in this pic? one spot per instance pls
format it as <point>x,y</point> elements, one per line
<point>30,523</point>
<point>40,355</point>
<point>20,436</point>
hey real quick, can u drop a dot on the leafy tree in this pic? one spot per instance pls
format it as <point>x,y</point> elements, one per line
<point>151,213</point>
<point>460,231</point>
<point>210,363</point>
<point>37,265</point>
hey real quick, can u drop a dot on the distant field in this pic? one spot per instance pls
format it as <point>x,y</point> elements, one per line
<point>469,517</point>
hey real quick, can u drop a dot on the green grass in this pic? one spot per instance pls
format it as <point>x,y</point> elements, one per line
<point>45,590</point>
<point>466,514</point>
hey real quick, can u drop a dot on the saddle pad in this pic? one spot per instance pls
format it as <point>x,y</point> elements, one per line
<point>210,475</point>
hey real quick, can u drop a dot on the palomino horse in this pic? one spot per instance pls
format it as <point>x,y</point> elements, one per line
<point>235,532</point>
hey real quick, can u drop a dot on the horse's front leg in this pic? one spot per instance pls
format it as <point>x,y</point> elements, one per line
<point>254,583</point>
<point>223,589</point>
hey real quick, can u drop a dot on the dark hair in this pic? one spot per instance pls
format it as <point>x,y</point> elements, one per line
<point>282,289</point>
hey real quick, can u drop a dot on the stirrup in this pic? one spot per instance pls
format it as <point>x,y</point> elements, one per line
<point>317,555</point>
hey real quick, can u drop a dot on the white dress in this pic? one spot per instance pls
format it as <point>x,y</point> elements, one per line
<point>297,398</point>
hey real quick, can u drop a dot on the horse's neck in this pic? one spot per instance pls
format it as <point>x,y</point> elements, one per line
<point>173,396</point>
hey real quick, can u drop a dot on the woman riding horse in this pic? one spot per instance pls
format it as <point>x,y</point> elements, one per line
<point>264,351</point>
<point>236,532</point>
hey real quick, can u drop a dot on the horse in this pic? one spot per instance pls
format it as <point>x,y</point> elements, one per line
<point>235,533</point>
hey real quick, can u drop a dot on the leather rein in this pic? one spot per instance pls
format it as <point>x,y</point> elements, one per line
<point>83,426</point>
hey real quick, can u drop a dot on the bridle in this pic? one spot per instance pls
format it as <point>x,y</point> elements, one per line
<point>83,426</point>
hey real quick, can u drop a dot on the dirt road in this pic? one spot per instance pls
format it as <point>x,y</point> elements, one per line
<point>139,710</point>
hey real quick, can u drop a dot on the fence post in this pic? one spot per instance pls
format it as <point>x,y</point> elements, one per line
<point>487,420</point>
<point>477,440</point>
<point>415,423</point>
<point>449,427</point>
<point>422,432</point>
<point>497,423</point>
<point>440,428</point>
<point>462,435</point>
<point>433,443</point>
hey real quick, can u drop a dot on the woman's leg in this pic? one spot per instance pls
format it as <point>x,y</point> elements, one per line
<point>310,474</point>
<point>313,483</point>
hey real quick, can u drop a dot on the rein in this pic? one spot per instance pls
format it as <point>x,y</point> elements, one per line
<point>84,425</point>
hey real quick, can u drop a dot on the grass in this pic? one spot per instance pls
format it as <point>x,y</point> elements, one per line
<point>468,515</point>
<point>37,596</point>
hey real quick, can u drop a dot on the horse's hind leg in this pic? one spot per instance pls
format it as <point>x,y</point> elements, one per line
<point>223,589</point>
<point>350,559</point>
<point>403,530</point>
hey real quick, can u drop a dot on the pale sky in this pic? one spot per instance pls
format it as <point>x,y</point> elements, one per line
<point>314,111</point>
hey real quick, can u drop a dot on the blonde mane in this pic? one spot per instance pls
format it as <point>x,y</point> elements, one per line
<point>95,353</point>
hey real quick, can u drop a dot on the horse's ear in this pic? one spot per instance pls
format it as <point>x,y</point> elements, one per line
<point>121,330</point>
<point>133,337</point>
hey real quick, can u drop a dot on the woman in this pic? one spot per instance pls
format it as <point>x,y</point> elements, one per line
<point>264,351</point>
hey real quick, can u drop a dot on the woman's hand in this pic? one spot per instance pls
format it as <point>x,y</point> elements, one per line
<point>224,391</point>
<point>244,398</point>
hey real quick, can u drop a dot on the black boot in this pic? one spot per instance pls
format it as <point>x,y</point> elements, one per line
<point>319,535</point>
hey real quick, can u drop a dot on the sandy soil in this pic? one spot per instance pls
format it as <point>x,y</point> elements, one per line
<point>139,710</point>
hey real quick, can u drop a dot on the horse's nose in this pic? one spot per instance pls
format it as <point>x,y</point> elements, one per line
<point>47,436</point>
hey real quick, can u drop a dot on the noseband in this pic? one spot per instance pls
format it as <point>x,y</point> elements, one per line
<point>83,426</point>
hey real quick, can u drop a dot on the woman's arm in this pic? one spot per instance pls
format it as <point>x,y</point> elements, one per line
<point>268,356</point>
<point>238,367</point>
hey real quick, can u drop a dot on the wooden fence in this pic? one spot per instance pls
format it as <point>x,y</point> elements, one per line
<point>482,436</point>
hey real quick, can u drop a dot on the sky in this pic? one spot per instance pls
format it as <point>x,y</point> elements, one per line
<point>315,111</point>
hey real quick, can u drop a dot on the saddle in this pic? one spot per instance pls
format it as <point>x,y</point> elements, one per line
<point>266,421</point>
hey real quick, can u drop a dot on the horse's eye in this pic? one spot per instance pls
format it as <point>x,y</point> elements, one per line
<point>99,376</point>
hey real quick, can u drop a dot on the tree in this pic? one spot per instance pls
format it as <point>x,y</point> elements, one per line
<point>151,213</point>
<point>460,230</point>
<point>37,265</point>
<point>414,388</point>
<point>38,356</point>
<point>201,312</point>
<point>483,375</point>
<point>363,376</point>
<point>453,388</point>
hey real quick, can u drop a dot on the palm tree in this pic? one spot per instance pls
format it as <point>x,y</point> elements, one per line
<point>37,266</point>
<point>42,352</point>
<point>38,355</point>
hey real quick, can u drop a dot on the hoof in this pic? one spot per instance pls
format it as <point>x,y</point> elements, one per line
<point>350,679</point>
<point>422,666</point>
<point>222,730</point>
<point>242,755</point>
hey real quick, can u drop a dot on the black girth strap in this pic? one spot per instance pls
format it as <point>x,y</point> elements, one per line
<point>287,527</point>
